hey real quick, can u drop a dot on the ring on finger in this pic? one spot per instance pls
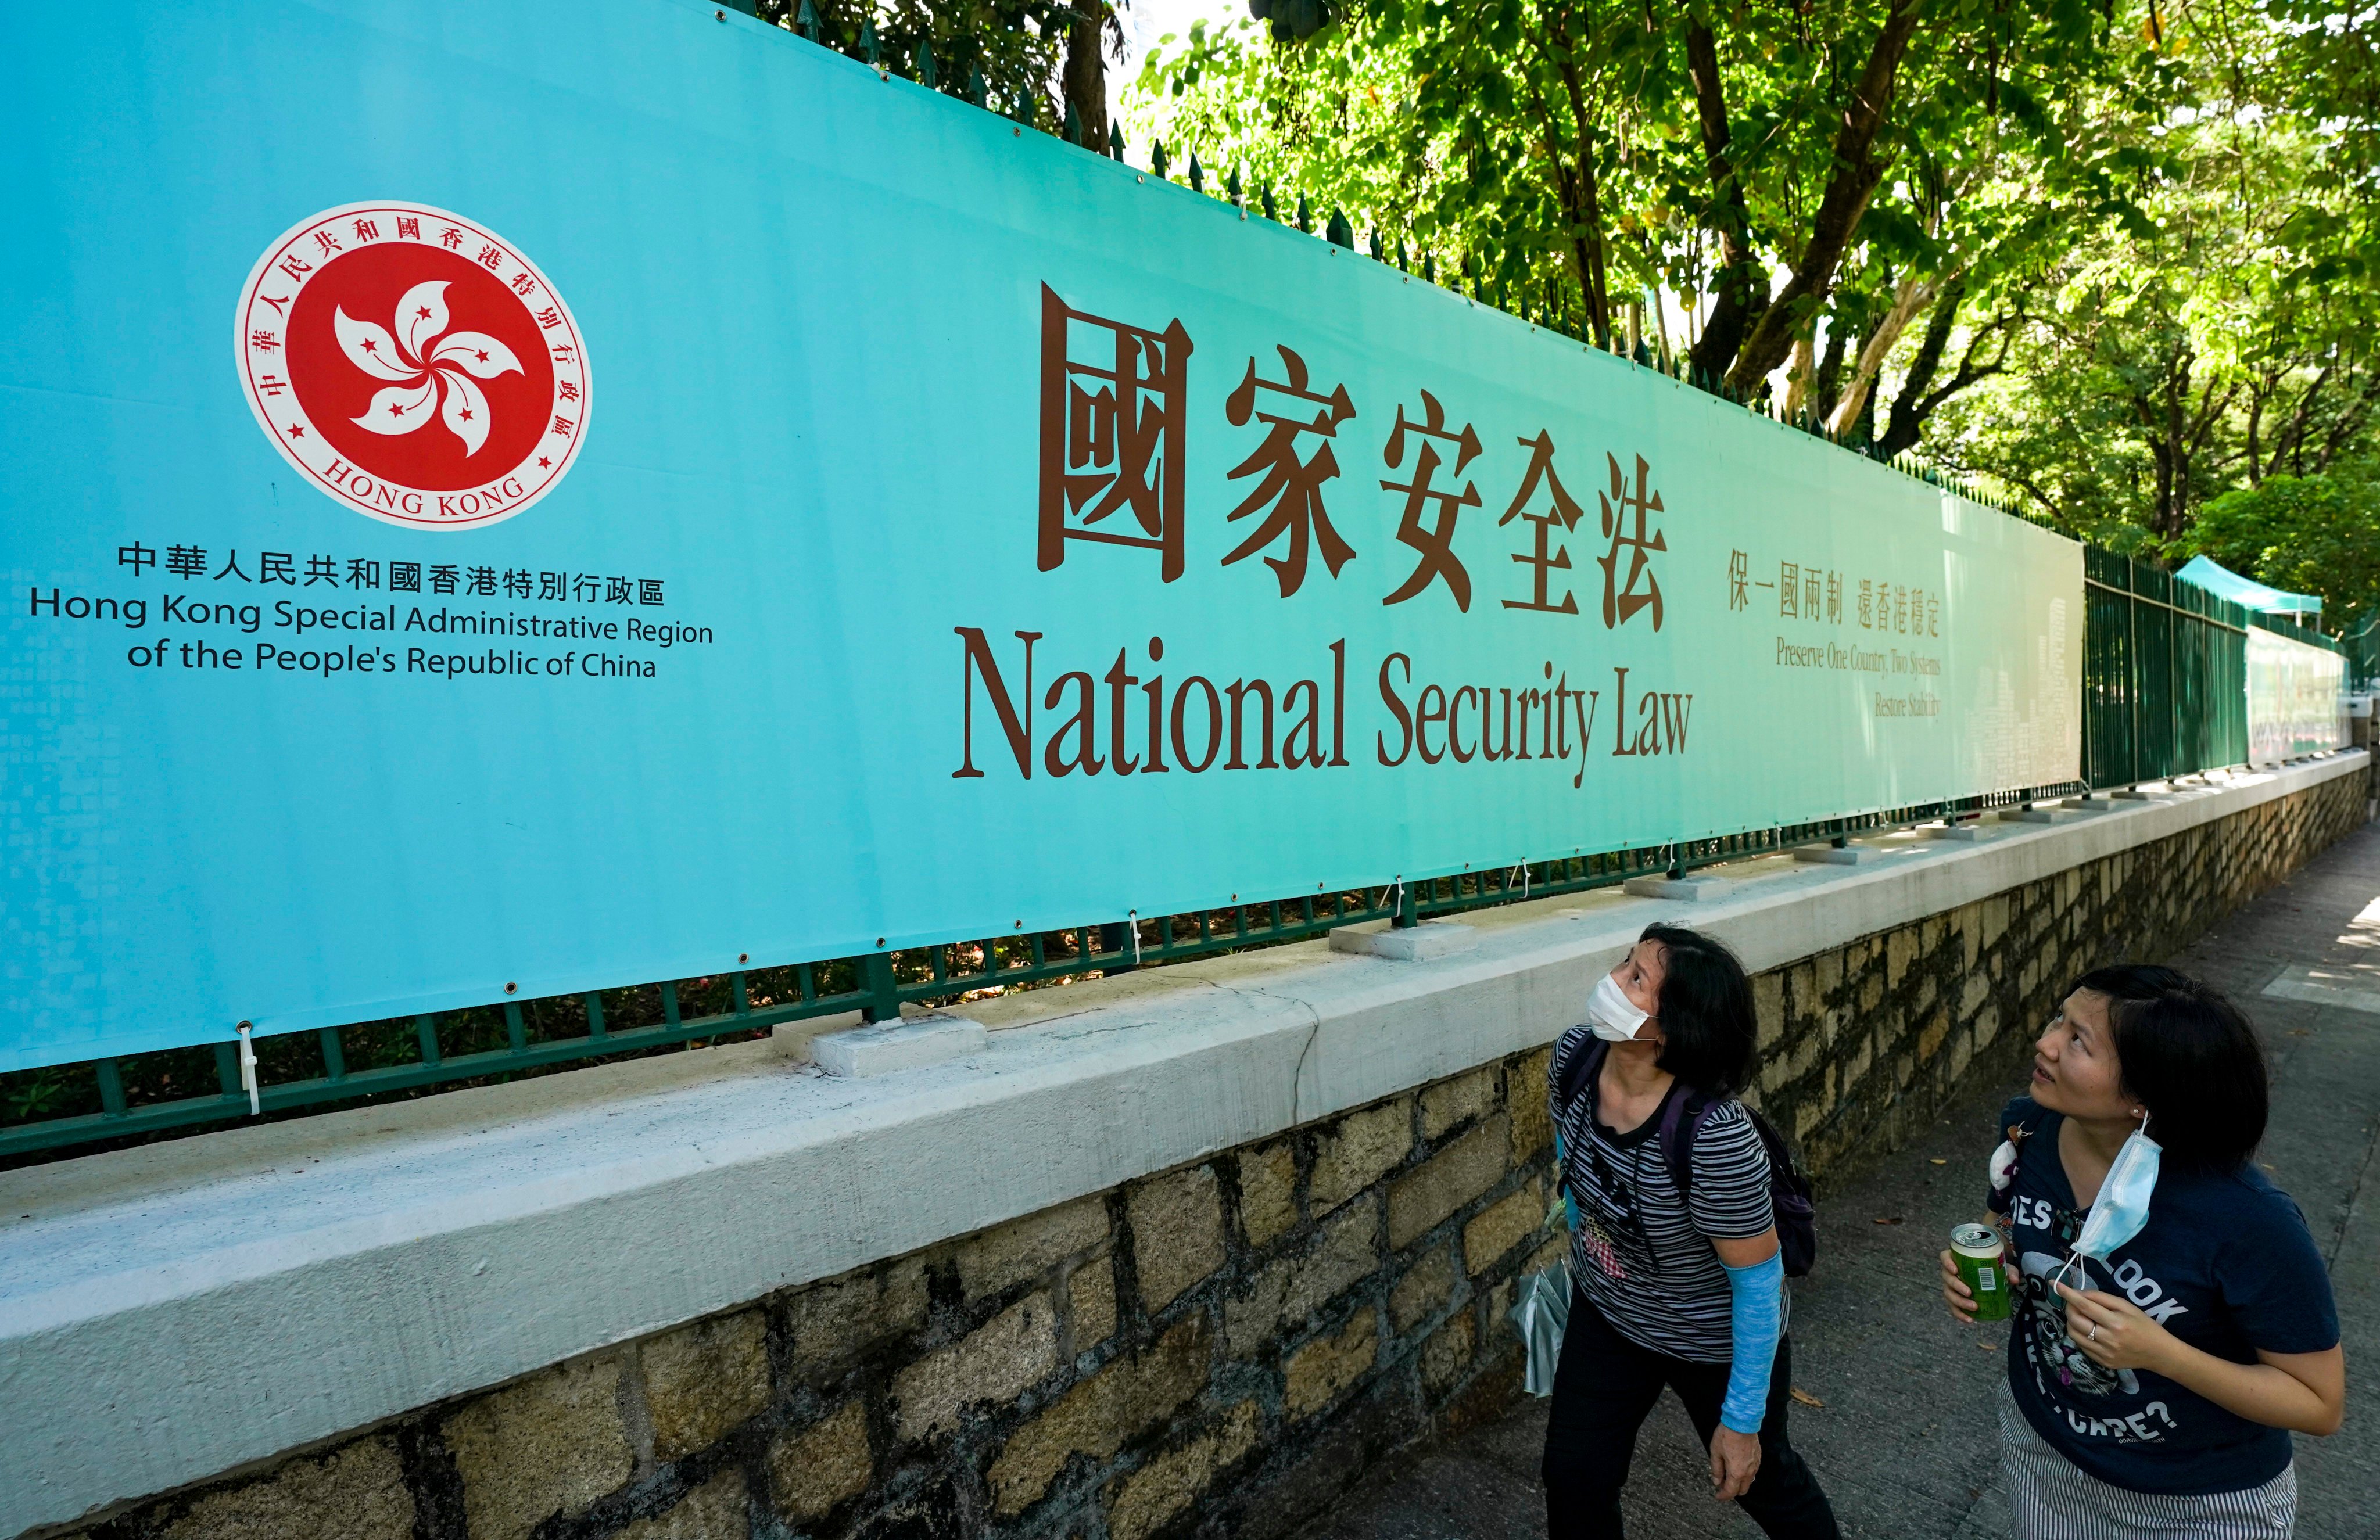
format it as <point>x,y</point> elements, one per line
<point>2092,1335</point>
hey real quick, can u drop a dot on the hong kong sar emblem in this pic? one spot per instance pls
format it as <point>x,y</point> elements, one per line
<point>414,365</point>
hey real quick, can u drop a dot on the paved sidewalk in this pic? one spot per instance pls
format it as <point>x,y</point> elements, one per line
<point>1904,1440</point>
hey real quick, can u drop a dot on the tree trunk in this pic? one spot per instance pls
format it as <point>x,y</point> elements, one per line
<point>1797,379</point>
<point>1910,411</point>
<point>1910,298</point>
<point>1858,168</point>
<point>1086,74</point>
<point>1576,186</point>
<point>1739,287</point>
<point>1825,386</point>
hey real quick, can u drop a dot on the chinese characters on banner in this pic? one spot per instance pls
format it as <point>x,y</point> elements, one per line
<point>1114,429</point>
<point>1111,433</point>
<point>362,574</point>
<point>1292,487</point>
<point>1807,593</point>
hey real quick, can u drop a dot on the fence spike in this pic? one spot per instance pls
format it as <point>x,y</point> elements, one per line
<point>1074,123</point>
<point>1115,141</point>
<point>1404,263</point>
<point>1231,184</point>
<point>868,49</point>
<point>1272,211</point>
<point>1429,267</point>
<point>1339,232</point>
<point>1156,158</point>
<point>1379,253</point>
<point>976,93</point>
<point>806,21</point>
<point>1197,174</point>
<point>925,65</point>
<point>1304,217</point>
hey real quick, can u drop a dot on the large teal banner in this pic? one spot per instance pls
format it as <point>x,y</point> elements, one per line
<point>504,499</point>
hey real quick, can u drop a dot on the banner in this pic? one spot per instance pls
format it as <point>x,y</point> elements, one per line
<point>2296,700</point>
<point>507,505</point>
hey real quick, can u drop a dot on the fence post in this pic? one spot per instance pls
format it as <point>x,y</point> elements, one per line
<point>883,992</point>
<point>2132,667</point>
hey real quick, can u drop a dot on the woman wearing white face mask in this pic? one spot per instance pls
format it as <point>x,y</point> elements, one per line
<point>1676,1259</point>
<point>2173,1318</point>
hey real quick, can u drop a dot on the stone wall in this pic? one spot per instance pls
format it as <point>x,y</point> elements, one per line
<point>1863,1042</point>
<point>1218,1348</point>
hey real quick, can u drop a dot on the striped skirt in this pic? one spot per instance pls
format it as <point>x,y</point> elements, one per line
<point>2051,1498</point>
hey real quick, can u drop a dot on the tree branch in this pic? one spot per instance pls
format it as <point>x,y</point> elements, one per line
<point>1739,277</point>
<point>1857,170</point>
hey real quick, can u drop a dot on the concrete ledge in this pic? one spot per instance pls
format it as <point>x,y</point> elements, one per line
<point>2027,815</point>
<point>1957,834</point>
<point>1832,855</point>
<point>175,1312</point>
<point>1415,943</point>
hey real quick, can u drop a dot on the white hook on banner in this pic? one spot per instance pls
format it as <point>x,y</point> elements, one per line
<point>248,1070</point>
<point>1134,915</point>
<point>1397,898</point>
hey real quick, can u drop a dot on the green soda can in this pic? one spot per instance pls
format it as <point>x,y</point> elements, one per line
<point>1977,1251</point>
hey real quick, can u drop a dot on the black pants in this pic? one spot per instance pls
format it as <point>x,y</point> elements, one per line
<point>1603,1389</point>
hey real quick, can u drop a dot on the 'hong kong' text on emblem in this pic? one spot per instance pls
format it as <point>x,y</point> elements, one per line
<point>413,365</point>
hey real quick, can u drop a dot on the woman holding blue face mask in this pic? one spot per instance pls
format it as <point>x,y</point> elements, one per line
<point>2173,1319</point>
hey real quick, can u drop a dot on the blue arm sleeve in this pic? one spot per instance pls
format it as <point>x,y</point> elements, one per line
<point>1561,1175</point>
<point>1759,1319</point>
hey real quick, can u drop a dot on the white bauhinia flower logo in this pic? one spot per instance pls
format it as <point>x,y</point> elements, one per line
<point>428,364</point>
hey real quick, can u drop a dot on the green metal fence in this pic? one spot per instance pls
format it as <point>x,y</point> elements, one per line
<point>2165,673</point>
<point>2361,645</point>
<point>147,1094</point>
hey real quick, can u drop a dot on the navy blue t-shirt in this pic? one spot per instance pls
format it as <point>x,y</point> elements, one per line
<point>2225,1263</point>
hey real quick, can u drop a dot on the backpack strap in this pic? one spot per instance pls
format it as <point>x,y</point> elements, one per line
<point>1683,1117</point>
<point>1580,1071</point>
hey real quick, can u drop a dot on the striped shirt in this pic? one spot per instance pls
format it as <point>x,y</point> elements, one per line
<point>1640,1254</point>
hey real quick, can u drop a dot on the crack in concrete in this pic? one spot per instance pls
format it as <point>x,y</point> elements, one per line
<point>1313,1035</point>
<point>2354,1194</point>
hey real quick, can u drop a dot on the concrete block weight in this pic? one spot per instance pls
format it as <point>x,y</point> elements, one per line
<point>1415,943</point>
<point>881,1047</point>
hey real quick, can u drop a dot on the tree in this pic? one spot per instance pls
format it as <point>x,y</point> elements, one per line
<point>1623,146</point>
<point>2316,534</point>
<point>2117,258</point>
<point>2219,329</point>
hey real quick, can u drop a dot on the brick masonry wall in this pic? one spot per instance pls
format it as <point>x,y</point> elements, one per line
<point>1218,1349</point>
<point>1859,1044</point>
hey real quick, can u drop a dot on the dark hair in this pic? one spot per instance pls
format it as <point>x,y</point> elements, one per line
<point>1708,1023</point>
<point>2190,1056</point>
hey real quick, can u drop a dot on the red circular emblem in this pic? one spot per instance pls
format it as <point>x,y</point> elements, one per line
<point>413,364</point>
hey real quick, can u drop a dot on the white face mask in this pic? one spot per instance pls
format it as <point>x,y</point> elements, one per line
<point>1611,1015</point>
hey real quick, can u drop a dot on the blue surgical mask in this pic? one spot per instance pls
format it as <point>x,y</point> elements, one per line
<point>2122,1210</point>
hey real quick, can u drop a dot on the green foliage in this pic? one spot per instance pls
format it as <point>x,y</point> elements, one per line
<point>2316,534</point>
<point>2118,258</point>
